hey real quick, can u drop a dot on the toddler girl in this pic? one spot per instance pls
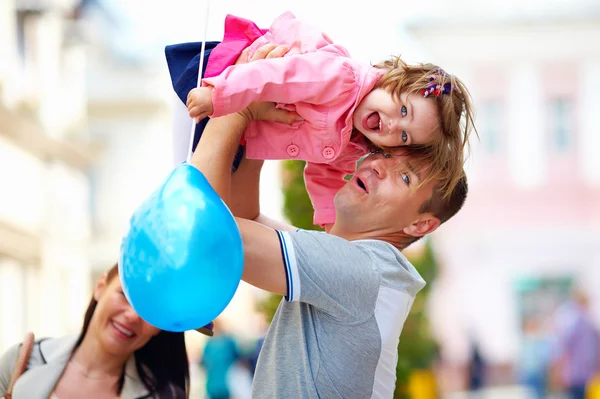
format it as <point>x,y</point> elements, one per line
<point>348,108</point>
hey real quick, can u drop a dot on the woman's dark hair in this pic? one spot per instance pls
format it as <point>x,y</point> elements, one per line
<point>162,363</point>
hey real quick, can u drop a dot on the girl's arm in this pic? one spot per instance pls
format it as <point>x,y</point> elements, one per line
<point>323,77</point>
<point>323,181</point>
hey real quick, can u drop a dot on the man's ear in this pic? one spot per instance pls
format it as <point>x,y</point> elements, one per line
<point>425,224</point>
<point>100,287</point>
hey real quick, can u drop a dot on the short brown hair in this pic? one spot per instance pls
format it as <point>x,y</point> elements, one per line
<point>443,206</point>
<point>447,152</point>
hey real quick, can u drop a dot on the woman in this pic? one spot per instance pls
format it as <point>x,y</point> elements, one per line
<point>116,355</point>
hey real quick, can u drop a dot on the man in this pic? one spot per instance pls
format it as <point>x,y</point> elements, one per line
<point>347,293</point>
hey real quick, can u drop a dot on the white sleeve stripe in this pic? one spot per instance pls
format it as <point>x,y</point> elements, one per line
<point>291,266</point>
<point>286,262</point>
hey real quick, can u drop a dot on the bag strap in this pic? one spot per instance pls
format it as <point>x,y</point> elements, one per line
<point>22,361</point>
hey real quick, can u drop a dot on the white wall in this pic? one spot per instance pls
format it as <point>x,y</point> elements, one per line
<point>43,200</point>
<point>22,182</point>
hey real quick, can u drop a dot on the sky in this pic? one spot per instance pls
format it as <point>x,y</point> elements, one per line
<point>370,34</point>
<point>370,29</point>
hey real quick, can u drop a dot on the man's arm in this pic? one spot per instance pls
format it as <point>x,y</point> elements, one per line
<point>263,262</point>
<point>245,183</point>
<point>274,224</point>
<point>245,195</point>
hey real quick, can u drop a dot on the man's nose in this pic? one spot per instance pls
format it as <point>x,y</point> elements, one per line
<point>378,166</point>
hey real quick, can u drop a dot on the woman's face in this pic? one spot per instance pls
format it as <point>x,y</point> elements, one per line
<point>116,325</point>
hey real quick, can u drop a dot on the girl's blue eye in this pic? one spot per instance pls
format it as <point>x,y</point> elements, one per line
<point>404,137</point>
<point>403,110</point>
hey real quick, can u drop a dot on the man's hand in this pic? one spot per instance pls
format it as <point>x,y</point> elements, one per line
<point>265,52</point>
<point>267,111</point>
<point>199,103</point>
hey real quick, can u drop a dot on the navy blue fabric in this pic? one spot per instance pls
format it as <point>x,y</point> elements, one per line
<point>183,61</point>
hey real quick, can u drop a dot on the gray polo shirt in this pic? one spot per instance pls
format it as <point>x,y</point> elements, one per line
<point>336,333</point>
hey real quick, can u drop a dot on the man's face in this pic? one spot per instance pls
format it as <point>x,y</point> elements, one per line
<point>382,196</point>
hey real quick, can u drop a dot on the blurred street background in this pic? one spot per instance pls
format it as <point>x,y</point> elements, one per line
<point>513,279</point>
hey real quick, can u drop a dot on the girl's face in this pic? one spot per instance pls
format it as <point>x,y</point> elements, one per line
<point>117,327</point>
<point>390,122</point>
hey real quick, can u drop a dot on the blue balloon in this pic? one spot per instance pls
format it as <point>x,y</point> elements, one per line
<point>182,259</point>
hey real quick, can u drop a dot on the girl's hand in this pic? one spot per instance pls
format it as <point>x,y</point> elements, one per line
<point>199,103</point>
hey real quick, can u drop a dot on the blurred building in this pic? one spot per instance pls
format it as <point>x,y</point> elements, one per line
<point>45,152</point>
<point>129,112</point>
<point>531,225</point>
<point>129,109</point>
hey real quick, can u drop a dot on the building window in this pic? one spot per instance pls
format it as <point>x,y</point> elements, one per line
<point>489,125</point>
<point>561,124</point>
<point>24,18</point>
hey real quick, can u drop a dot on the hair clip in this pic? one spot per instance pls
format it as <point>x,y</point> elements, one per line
<point>436,90</point>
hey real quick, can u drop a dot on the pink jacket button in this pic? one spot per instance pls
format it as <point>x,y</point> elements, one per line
<point>328,153</point>
<point>293,150</point>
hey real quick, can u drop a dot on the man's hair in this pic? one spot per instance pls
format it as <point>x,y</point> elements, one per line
<point>451,140</point>
<point>444,206</point>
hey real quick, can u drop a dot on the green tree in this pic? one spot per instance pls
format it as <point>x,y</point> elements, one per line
<point>417,349</point>
<point>297,207</point>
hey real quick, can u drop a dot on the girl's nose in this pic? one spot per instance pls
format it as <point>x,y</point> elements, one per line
<point>394,125</point>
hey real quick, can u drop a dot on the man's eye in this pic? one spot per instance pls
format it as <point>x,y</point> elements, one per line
<point>403,110</point>
<point>406,178</point>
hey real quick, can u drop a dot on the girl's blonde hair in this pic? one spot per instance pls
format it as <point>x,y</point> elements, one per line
<point>446,154</point>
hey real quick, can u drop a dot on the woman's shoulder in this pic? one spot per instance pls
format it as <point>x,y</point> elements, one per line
<point>44,350</point>
<point>8,362</point>
<point>51,349</point>
<point>9,358</point>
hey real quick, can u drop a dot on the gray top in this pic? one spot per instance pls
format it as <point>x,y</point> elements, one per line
<point>336,333</point>
<point>49,358</point>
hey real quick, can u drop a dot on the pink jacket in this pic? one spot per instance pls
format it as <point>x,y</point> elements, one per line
<point>322,84</point>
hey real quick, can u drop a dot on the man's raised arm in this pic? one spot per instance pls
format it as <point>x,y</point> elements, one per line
<point>244,201</point>
<point>263,262</point>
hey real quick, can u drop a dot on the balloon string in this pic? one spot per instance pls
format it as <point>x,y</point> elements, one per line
<point>200,66</point>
